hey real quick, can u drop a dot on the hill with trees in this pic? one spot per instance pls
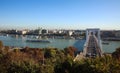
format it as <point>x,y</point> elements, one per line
<point>53,60</point>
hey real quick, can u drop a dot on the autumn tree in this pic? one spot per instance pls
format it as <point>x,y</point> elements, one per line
<point>1,45</point>
<point>70,50</point>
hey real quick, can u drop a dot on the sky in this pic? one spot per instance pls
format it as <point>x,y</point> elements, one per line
<point>60,14</point>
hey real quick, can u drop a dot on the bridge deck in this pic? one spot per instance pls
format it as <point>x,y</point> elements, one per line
<point>93,48</point>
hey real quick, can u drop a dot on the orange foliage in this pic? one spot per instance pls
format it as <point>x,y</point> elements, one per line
<point>70,50</point>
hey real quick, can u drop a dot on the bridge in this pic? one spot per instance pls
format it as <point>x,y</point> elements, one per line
<point>92,46</point>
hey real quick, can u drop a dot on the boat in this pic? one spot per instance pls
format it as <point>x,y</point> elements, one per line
<point>78,38</point>
<point>106,43</point>
<point>38,40</point>
<point>111,39</point>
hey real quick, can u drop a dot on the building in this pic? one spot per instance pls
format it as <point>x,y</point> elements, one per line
<point>24,32</point>
<point>59,31</point>
<point>44,31</point>
<point>38,31</point>
<point>117,34</point>
<point>12,31</point>
<point>79,32</point>
<point>70,33</point>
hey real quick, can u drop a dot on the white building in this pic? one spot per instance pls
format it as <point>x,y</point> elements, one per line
<point>70,33</point>
<point>24,32</point>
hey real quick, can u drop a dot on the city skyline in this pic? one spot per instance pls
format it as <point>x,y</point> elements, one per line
<point>60,14</point>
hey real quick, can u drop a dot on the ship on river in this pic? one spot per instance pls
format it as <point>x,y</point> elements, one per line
<point>38,40</point>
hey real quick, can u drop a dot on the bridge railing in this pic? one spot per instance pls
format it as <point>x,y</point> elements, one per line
<point>99,45</point>
<point>86,45</point>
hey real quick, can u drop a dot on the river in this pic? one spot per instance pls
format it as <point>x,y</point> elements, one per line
<point>20,41</point>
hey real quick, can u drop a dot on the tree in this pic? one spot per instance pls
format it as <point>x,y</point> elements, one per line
<point>70,50</point>
<point>116,54</point>
<point>1,45</point>
<point>23,67</point>
<point>49,52</point>
<point>64,67</point>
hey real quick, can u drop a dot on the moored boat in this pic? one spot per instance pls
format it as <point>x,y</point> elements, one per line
<point>38,40</point>
<point>106,43</point>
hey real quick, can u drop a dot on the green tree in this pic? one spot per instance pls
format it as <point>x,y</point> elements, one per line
<point>50,52</point>
<point>23,67</point>
<point>116,54</point>
<point>64,67</point>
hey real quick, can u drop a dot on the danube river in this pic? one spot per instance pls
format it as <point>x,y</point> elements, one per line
<point>20,41</point>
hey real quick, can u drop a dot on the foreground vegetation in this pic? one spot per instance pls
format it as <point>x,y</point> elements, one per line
<point>53,60</point>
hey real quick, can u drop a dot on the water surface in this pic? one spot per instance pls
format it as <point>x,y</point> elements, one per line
<point>20,41</point>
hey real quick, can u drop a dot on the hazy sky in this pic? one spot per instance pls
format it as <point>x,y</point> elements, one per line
<point>62,14</point>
